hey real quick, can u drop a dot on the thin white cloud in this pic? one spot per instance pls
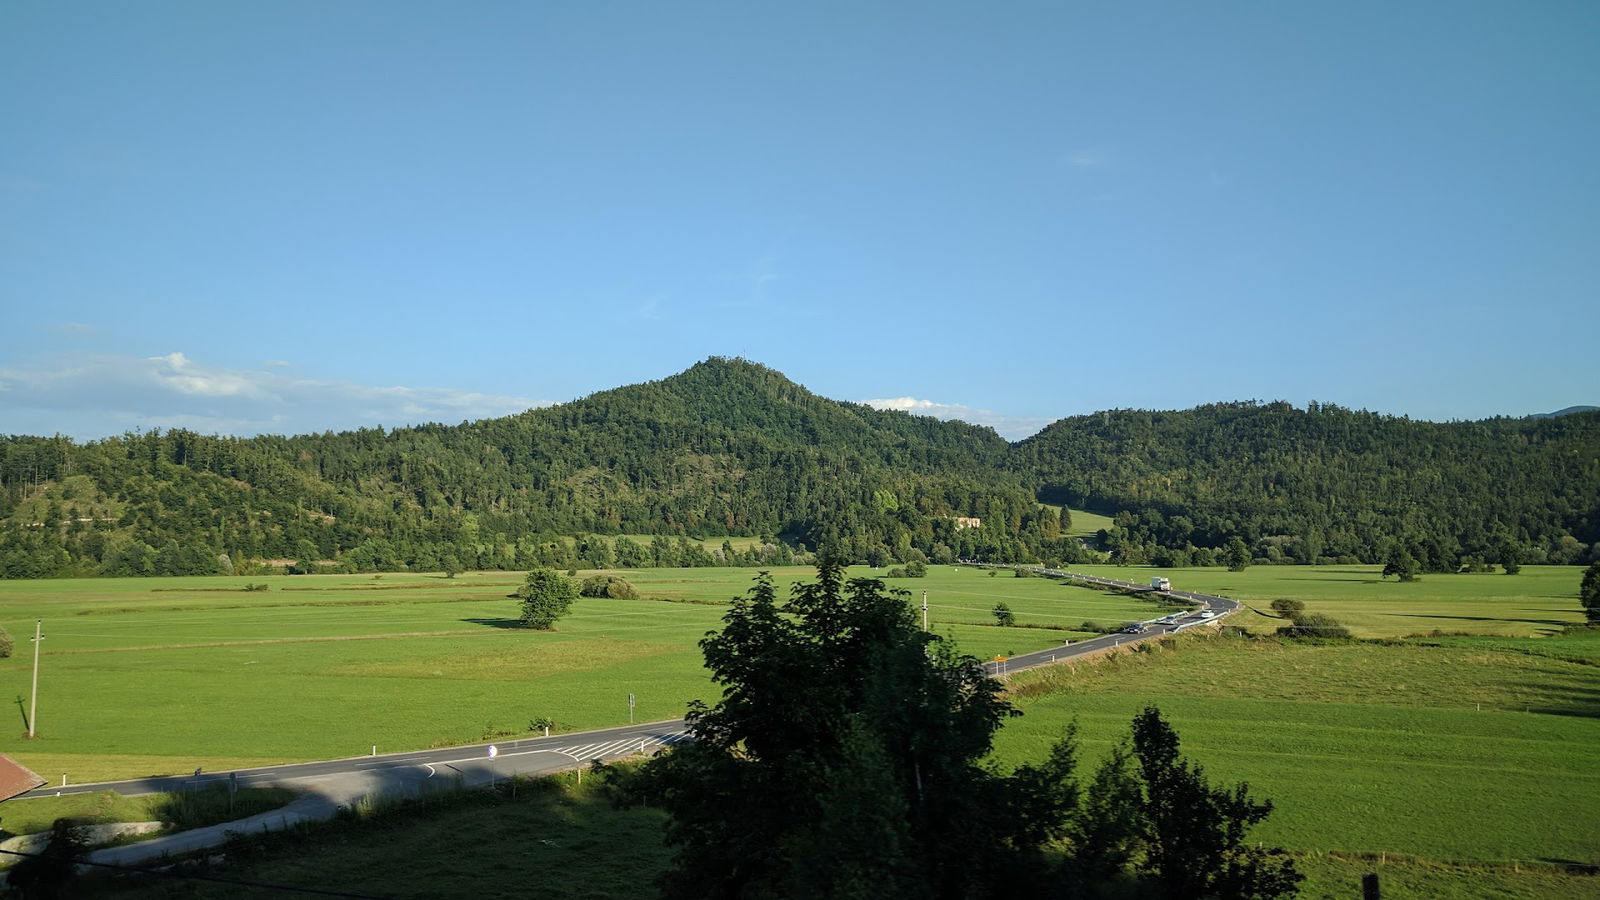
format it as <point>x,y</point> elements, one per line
<point>1012,428</point>
<point>76,328</point>
<point>97,396</point>
<point>1086,158</point>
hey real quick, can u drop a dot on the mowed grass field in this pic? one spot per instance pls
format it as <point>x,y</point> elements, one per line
<point>1447,757</point>
<point>155,676</point>
<point>1541,600</point>
<point>1441,752</point>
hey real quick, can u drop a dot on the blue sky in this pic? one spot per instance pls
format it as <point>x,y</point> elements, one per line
<point>251,216</point>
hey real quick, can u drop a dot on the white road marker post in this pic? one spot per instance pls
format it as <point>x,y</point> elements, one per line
<point>493,752</point>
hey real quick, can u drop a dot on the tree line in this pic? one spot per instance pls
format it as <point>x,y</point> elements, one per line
<point>731,448</point>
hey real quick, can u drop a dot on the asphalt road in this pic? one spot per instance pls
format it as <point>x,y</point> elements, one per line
<point>422,769</point>
<point>470,763</point>
<point>1210,609</point>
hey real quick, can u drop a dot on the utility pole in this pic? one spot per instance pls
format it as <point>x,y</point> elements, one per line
<point>33,704</point>
<point>924,610</point>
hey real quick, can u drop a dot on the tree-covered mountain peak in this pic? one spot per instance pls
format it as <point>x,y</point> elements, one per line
<point>733,394</point>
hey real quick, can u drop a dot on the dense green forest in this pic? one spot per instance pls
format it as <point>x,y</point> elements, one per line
<point>1328,484</point>
<point>731,448</point>
<point>726,448</point>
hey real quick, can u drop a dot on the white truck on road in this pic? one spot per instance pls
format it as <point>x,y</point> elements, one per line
<point>1161,584</point>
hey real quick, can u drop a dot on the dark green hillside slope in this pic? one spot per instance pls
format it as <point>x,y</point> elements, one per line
<point>1330,482</point>
<point>730,447</point>
<point>727,447</point>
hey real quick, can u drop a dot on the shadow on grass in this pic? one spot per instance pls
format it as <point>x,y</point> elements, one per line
<point>512,624</point>
<point>1454,618</point>
<point>414,846</point>
<point>1560,700</point>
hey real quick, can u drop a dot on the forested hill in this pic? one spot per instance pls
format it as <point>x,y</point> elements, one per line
<point>726,448</point>
<point>730,447</point>
<point>1327,483</point>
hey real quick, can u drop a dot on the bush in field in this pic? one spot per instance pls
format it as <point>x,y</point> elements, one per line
<point>1003,615</point>
<point>5,644</point>
<point>1288,608</point>
<point>608,586</point>
<point>1313,625</point>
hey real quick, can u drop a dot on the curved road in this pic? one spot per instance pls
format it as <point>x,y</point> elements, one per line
<point>325,785</point>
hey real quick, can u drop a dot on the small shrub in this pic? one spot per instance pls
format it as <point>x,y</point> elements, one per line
<point>895,573</point>
<point>1003,615</point>
<point>612,586</point>
<point>1314,625</point>
<point>5,644</point>
<point>256,588</point>
<point>1288,608</point>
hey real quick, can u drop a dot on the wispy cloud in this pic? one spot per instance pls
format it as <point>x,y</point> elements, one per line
<point>1086,158</point>
<point>75,328</point>
<point>1012,428</point>
<point>96,396</point>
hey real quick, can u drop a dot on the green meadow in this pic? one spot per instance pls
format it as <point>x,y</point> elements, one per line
<point>1456,762</point>
<point>1539,601</point>
<point>153,676</point>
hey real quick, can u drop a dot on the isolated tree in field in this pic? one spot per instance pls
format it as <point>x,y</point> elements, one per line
<point>1003,615</point>
<point>1195,833</point>
<point>843,760</point>
<point>546,596</point>
<point>1401,564</point>
<point>1589,594</point>
<point>1236,555</point>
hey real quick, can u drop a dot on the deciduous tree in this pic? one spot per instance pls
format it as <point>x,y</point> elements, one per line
<point>843,760</point>
<point>1589,593</point>
<point>1194,842</point>
<point>546,596</point>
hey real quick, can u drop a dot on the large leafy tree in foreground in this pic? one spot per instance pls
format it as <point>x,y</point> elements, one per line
<point>842,760</point>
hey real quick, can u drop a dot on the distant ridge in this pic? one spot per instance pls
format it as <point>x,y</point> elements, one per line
<point>1564,412</point>
<point>731,448</point>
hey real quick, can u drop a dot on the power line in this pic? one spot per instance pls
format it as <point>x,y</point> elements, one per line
<point>196,877</point>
